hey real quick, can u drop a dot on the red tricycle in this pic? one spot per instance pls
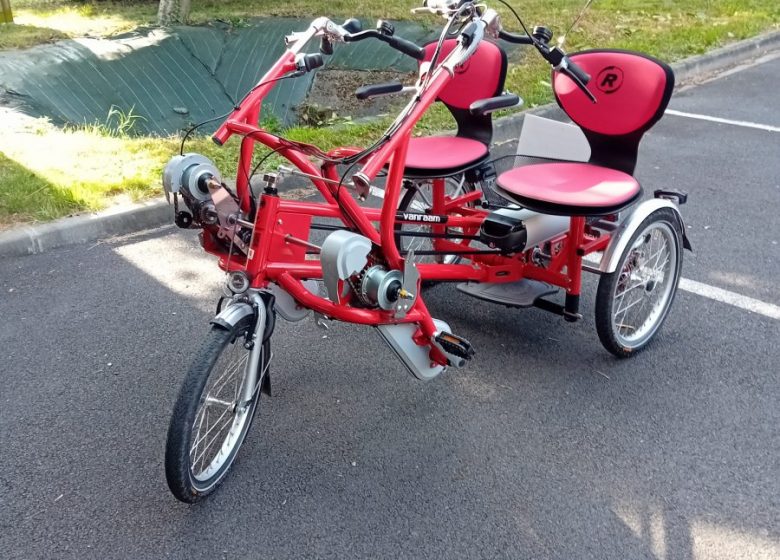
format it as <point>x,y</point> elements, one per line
<point>542,225</point>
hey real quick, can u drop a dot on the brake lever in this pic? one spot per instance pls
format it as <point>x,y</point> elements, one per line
<point>560,62</point>
<point>574,78</point>
<point>326,46</point>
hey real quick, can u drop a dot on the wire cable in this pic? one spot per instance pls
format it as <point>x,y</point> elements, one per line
<point>197,126</point>
<point>235,108</point>
<point>562,38</point>
<point>535,41</point>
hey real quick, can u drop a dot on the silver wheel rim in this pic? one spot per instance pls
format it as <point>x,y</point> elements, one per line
<point>421,202</point>
<point>221,418</point>
<point>646,283</point>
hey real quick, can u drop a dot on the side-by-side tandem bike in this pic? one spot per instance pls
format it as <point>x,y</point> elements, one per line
<point>346,261</point>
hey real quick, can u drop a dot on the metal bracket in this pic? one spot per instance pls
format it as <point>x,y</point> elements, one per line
<point>409,287</point>
<point>228,214</point>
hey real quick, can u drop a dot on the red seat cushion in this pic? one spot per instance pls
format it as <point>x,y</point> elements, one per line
<point>580,189</point>
<point>442,155</point>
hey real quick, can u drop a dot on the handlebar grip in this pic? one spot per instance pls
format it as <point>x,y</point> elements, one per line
<point>367,92</point>
<point>578,72</point>
<point>312,61</point>
<point>406,47</point>
<point>516,39</point>
<point>486,106</point>
<point>398,43</point>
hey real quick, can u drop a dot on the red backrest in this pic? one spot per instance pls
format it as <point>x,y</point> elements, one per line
<point>632,90</point>
<point>482,75</point>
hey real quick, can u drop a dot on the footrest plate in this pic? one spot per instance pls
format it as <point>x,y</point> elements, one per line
<point>522,293</point>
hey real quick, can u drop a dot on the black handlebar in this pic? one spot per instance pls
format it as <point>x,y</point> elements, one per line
<point>541,37</point>
<point>516,39</point>
<point>367,92</point>
<point>402,45</point>
<point>562,63</point>
<point>407,47</point>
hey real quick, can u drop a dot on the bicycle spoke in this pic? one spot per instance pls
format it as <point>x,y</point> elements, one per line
<point>209,430</point>
<point>629,306</point>
<point>202,414</point>
<point>642,295</point>
<point>210,443</point>
<point>232,368</point>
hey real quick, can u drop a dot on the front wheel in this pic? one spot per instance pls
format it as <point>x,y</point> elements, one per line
<point>633,302</point>
<point>210,421</point>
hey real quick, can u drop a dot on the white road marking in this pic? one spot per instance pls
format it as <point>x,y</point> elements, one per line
<point>731,298</point>
<point>745,124</point>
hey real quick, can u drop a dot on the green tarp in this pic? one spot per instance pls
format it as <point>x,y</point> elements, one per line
<point>173,77</point>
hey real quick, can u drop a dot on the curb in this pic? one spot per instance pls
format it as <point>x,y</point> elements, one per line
<point>28,240</point>
<point>723,58</point>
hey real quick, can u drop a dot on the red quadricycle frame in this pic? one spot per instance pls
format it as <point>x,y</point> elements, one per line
<point>280,252</point>
<point>556,214</point>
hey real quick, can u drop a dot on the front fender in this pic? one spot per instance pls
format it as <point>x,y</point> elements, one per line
<point>622,235</point>
<point>234,314</point>
<point>238,314</point>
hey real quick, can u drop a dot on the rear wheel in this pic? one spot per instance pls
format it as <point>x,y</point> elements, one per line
<point>209,421</point>
<point>633,302</point>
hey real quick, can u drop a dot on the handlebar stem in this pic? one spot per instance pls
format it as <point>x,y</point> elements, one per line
<point>320,27</point>
<point>492,23</point>
<point>462,53</point>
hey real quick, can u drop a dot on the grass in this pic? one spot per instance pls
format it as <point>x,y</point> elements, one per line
<point>27,196</point>
<point>684,26</point>
<point>77,18</point>
<point>48,172</point>
<point>86,168</point>
<point>15,36</point>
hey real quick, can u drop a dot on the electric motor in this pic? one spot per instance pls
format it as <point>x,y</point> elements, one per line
<point>190,175</point>
<point>380,287</point>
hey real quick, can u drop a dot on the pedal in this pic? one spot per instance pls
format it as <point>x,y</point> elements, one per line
<point>522,293</point>
<point>457,350</point>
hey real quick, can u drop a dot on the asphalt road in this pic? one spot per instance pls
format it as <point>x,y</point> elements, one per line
<point>544,447</point>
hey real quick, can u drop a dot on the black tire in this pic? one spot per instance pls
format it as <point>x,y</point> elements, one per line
<point>405,204</point>
<point>608,328</point>
<point>178,464</point>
